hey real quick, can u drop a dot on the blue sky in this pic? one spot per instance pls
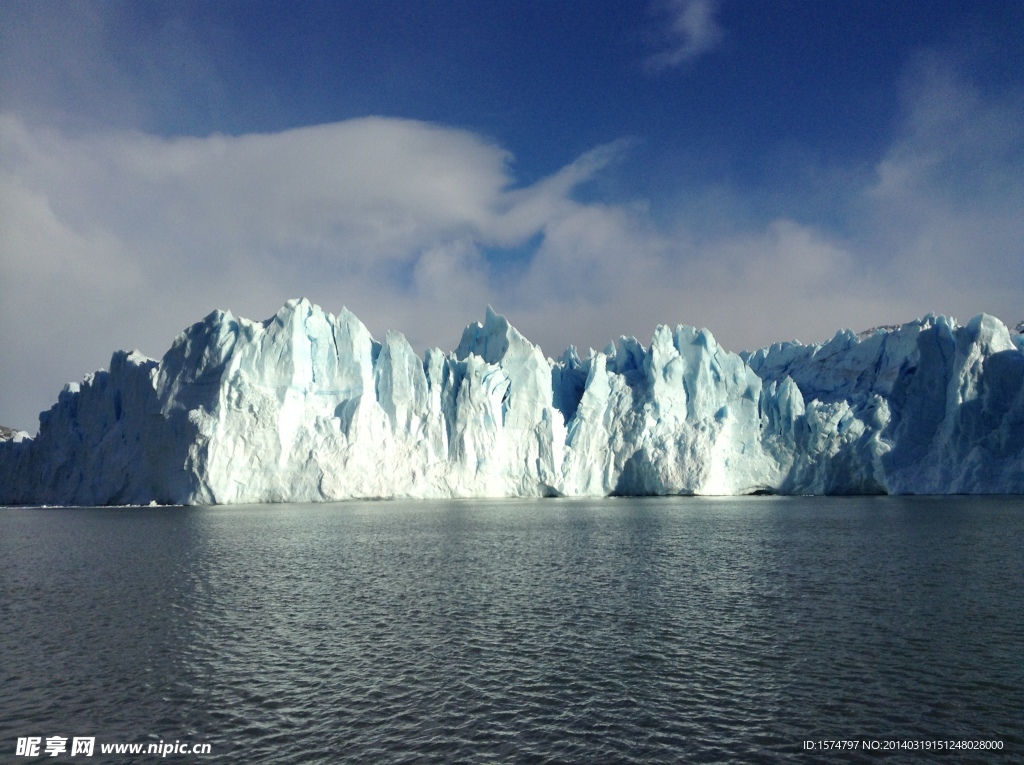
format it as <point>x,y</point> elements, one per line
<point>770,170</point>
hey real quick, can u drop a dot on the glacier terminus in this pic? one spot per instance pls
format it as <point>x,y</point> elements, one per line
<point>307,406</point>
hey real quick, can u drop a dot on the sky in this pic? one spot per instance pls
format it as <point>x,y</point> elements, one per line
<point>770,170</point>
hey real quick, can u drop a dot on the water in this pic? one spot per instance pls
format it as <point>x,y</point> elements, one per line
<point>625,630</point>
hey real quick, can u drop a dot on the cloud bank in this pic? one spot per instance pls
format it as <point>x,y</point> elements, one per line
<point>120,239</point>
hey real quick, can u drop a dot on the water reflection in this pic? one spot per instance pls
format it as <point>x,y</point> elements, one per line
<point>627,630</point>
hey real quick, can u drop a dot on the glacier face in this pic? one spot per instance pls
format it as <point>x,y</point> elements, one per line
<point>307,406</point>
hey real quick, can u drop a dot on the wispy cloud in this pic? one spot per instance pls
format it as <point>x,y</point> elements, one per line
<point>947,203</point>
<point>691,31</point>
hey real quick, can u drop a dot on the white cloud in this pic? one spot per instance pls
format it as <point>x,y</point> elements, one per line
<point>692,30</point>
<point>947,204</point>
<point>121,239</point>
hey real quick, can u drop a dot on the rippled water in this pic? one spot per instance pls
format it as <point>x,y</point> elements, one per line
<point>651,630</point>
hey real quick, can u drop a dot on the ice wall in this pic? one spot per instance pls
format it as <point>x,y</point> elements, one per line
<point>307,406</point>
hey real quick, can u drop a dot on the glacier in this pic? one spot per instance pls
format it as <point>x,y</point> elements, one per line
<point>307,406</point>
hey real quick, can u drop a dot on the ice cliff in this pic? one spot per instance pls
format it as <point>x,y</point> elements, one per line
<point>307,406</point>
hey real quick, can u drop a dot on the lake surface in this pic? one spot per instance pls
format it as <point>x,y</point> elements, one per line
<point>618,630</point>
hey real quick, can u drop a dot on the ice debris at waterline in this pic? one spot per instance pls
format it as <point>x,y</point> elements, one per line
<point>307,406</point>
